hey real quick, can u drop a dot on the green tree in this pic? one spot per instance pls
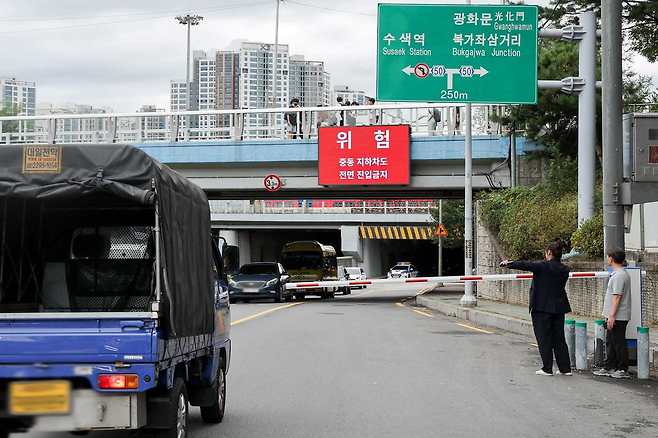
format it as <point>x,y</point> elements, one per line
<point>554,120</point>
<point>9,126</point>
<point>453,220</point>
<point>640,21</point>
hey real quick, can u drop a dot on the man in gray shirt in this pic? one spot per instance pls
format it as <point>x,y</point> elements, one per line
<point>617,311</point>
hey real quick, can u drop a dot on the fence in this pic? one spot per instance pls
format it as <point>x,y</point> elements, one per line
<point>237,124</point>
<point>322,207</point>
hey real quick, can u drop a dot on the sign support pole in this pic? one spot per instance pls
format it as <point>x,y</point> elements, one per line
<point>611,72</point>
<point>587,118</point>
<point>468,300</point>
<point>440,267</point>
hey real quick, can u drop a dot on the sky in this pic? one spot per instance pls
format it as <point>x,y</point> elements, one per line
<point>123,53</point>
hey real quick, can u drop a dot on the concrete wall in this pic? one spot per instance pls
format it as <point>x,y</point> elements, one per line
<point>372,260</point>
<point>585,296</point>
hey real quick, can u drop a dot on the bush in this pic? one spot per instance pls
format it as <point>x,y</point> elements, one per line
<point>527,219</point>
<point>588,239</point>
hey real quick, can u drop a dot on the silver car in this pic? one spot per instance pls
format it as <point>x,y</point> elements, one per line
<point>403,270</point>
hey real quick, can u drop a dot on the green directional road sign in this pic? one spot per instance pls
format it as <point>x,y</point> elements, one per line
<point>457,53</point>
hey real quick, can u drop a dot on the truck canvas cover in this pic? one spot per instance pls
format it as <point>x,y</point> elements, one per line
<point>83,174</point>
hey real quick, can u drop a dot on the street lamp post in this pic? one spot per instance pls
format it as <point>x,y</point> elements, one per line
<point>189,21</point>
<point>274,100</point>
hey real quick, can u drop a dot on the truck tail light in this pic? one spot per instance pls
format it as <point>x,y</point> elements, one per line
<point>118,381</point>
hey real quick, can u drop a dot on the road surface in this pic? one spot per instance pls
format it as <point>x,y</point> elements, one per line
<point>367,365</point>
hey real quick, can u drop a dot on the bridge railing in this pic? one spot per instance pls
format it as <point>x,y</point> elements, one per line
<point>238,124</point>
<point>322,207</point>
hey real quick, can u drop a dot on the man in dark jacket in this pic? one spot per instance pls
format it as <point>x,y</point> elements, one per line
<point>548,305</point>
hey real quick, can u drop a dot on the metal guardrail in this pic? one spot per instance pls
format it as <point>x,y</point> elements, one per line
<point>238,124</point>
<point>321,207</point>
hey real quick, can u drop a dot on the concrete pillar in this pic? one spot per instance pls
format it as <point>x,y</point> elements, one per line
<point>372,258</point>
<point>244,243</point>
<point>231,236</point>
<point>350,242</point>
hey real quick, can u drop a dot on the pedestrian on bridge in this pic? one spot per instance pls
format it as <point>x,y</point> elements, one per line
<point>292,120</point>
<point>548,305</point>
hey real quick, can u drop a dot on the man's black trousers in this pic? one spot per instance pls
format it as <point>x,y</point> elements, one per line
<point>615,347</point>
<point>549,331</point>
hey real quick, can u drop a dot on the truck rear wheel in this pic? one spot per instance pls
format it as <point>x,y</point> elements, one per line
<point>215,413</point>
<point>178,412</point>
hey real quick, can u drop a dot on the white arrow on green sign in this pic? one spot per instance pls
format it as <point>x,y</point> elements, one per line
<point>455,53</point>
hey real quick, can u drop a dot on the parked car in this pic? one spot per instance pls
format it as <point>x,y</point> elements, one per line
<point>352,273</point>
<point>259,280</point>
<point>403,270</point>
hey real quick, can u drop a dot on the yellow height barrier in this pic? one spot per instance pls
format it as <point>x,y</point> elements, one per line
<point>396,232</point>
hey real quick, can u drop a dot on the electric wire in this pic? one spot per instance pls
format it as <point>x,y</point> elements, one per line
<point>324,8</point>
<point>148,18</point>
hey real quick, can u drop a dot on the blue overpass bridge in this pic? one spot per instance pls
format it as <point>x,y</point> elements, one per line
<point>228,169</point>
<point>229,152</point>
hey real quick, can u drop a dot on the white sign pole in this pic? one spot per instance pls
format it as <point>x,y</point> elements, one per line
<point>469,299</point>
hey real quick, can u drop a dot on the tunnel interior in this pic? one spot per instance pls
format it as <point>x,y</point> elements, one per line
<point>378,255</point>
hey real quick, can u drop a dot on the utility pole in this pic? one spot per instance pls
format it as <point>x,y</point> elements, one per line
<point>468,300</point>
<point>611,69</point>
<point>189,21</point>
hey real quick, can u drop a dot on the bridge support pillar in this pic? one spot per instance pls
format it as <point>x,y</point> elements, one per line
<point>244,243</point>
<point>350,242</point>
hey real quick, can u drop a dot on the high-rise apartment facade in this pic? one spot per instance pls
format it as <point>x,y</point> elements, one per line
<point>178,95</point>
<point>349,95</point>
<point>309,82</point>
<point>227,89</point>
<point>203,90</point>
<point>257,85</point>
<point>18,96</point>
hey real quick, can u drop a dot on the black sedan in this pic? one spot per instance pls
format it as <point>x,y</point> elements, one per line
<point>259,280</point>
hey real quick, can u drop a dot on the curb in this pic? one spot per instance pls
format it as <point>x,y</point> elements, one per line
<point>479,317</point>
<point>502,322</point>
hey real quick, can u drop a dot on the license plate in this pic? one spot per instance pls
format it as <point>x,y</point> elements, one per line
<point>250,290</point>
<point>51,397</point>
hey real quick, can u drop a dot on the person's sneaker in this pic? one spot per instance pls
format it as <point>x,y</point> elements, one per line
<point>543,373</point>
<point>620,374</point>
<point>560,373</point>
<point>602,372</point>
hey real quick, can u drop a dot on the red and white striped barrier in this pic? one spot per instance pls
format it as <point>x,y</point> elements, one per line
<point>444,279</point>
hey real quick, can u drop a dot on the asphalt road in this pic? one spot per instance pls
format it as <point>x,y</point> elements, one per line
<point>366,365</point>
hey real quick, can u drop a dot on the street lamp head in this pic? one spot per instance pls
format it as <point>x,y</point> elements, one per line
<point>189,19</point>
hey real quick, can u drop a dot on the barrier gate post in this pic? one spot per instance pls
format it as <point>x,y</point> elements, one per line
<point>599,343</point>
<point>570,336</point>
<point>581,345</point>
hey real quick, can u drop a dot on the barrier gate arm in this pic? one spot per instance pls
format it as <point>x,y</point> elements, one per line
<point>443,279</point>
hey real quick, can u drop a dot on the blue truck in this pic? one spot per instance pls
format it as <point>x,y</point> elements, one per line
<point>114,308</point>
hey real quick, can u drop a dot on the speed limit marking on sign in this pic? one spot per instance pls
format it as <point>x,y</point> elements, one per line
<point>272,183</point>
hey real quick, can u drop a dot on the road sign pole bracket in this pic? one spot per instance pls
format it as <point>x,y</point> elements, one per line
<point>568,33</point>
